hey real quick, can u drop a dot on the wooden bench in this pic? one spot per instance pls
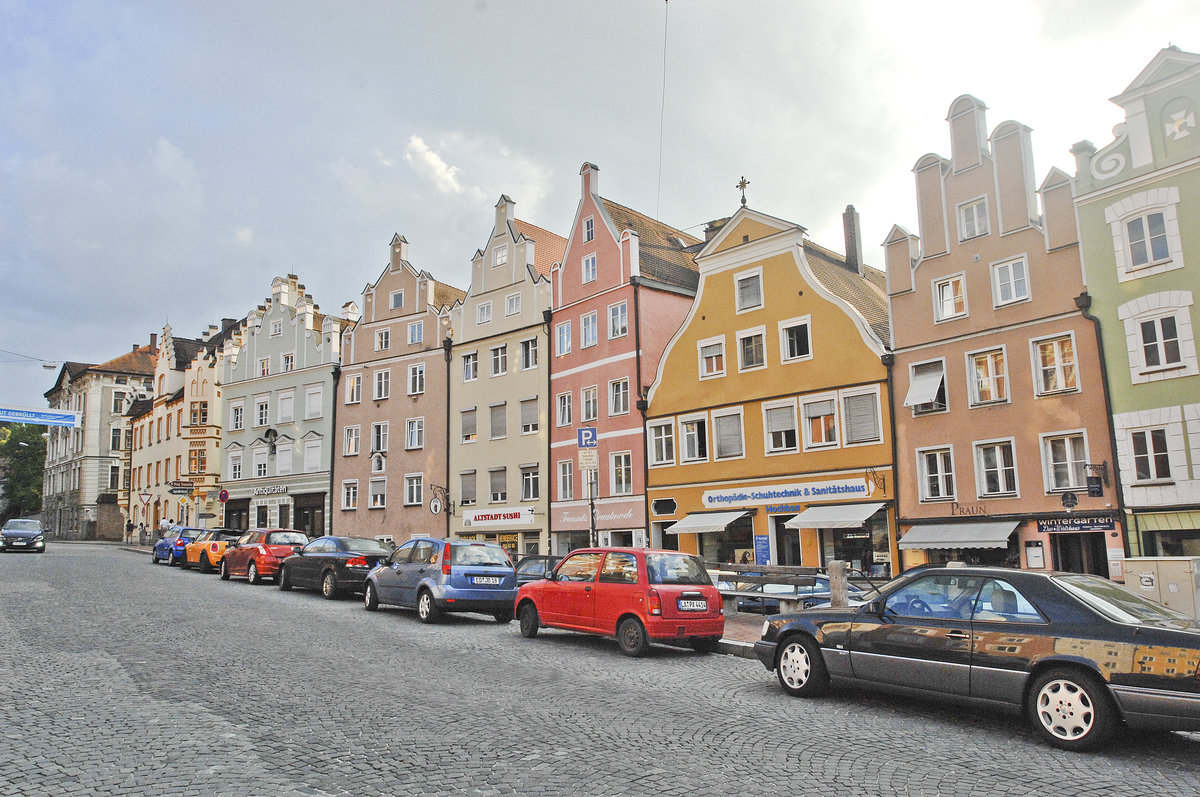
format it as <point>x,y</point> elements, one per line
<point>785,575</point>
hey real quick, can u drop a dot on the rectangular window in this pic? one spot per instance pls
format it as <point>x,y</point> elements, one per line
<point>622,473</point>
<point>937,474</point>
<point>531,489</point>
<point>972,219</point>
<point>564,410</point>
<point>749,291</point>
<point>662,443</point>
<point>618,320</point>
<point>949,298</point>
<point>285,407</point>
<point>416,332</point>
<point>414,486</point>
<point>237,417</point>
<point>529,416</point>
<point>470,367</point>
<point>529,354</point>
<point>314,399</point>
<point>260,464</point>
<point>589,404</point>
<point>378,489</point>
<point>618,397</point>
<point>712,358</point>
<point>199,413</point>
<point>1150,459</point>
<point>498,485</point>
<point>350,495</point>
<point>262,412</point>
<point>1066,460</point>
<point>468,427</point>
<point>118,401</point>
<point>114,440</point>
<point>500,256</point>
<point>499,419</point>
<point>264,366</point>
<point>861,414</point>
<point>396,300</point>
<point>1160,342</point>
<point>588,333</point>
<point>414,433</point>
<point>589,268</point>
<point>312,456</point>
<point>820,423</point>
<point>1147,237</point>
<point>416,379</point>
<point>289,362</point>
<point>728,435</point>
<point>235,466</point>
<point>483,313</point>
<point>383,384</point>
<point>350,440</point>
<point>566,480</point>
<point>1055,359</point>
<point>695,440</point>
<point>990,381</point>
<point>996,469</point>
<point>562,338</point>
<point>794,340</point>
<point>466,488</point>
<point>499,360</point>
<point>512,304</point>
<point>379,437</point>
<point>354,389</point>
<point>780,426</point>
<point>752,352</point>
<point>589,229</point>
<point>1010,282</point>
<point>926,388</point>
<point>276,328</point>
<point>114,475</point>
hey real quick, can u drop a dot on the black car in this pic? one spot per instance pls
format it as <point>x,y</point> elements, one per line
<point>535,567</point>
<point>22,534</point>
<point>335,565</point>
<point>1079,654</point>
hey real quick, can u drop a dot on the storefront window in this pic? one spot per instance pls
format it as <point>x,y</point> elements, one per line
<point>864,549</point>
<point>1178,543</point>
<point>730,544</point>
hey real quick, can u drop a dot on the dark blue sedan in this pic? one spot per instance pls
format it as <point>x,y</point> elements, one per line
<point>335,565</point>
<point>169,548</point>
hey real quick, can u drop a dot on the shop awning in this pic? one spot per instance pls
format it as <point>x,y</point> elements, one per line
<point>959,535</point>
<point>842,516</point>
<point>1168,521</point>
<point>703,522</point>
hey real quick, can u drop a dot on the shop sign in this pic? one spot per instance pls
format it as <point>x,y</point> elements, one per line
<point>1077,524</point>
<point>807,492</point>
<point>273,489</point>
<point>499,517</point>
<point>622,514</point>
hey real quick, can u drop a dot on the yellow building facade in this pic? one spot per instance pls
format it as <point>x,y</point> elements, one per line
<point>768,424</point>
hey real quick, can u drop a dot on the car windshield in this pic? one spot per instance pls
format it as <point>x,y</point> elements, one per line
<point>23,525</point>
<point>1116,602</point>
<point>482,555</point>
<point>229,536</point>
<point>355,545</point>
<point>286,538</point>
<point>675,568</point>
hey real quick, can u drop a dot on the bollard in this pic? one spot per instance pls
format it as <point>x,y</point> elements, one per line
<point>839,594</point>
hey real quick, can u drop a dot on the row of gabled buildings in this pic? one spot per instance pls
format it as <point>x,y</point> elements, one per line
<point>1017,387</point>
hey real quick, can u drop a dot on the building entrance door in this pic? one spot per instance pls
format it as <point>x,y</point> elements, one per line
<point>1080,552</point>
<point>787,541</point>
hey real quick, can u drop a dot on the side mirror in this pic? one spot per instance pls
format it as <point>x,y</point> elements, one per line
<point>231,546</point>
<point>875,608</point>
<point>297,548</point>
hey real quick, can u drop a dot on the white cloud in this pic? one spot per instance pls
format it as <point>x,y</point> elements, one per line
<point>245,235</point>
<point>430,166</point>
<point>170,162</point>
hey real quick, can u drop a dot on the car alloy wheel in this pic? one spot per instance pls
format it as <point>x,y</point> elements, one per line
<point>800,668</point>
<point>329,587</point>
<point>530,623</point>
<point>252,572</point>
<point>224,571</point>
<point>153,556</point>
<point>1071,709</point>
<point>631,637</point>
<point>370,598</point>
<point>171,560</point>
<point>427,611</point>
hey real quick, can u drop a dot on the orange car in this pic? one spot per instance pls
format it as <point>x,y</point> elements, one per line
<point>206,550</point>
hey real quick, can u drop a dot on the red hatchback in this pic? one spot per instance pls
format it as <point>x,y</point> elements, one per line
<point>258,553</point>
<point>633,594</point>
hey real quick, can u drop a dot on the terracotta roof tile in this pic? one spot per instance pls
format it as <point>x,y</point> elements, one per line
<point>864,293</point>
<point>549,248</point>
<point>131,362</point>
<point>662,249</point>
<point>445,295</point>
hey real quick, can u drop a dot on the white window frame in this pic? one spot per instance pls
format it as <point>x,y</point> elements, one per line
<point>416,379</point>
<point>379,436</point>
<point>589,403</point>
<point>237,415</point>
<point>354,389</point>
<point>930,407</point>
<point>997,380</point>
<point>769,446</point>
<point>382,384</point>
<point>759,332</point>
<point>589,229</point>
<point>702,361</point>
<point>945,456</point>
<point>512,304</point>
<point>494,496</point>
<point>396,300</point>
<point>562,338</point>
<point>1152,455</point>
<point>975,224</point>
<point>1078,477</point>
<point>660,436</point>
<point>285,406</point>
<point>802,417</point>
<point>791,323</point>
<point>562,409</point>
<point>717,416</point>
<point>383,339</point>
<point>531,483</point>
<point>264,366</point>
<point>377,493</point>
<point>350,494</point>
<point>289,362</point>
<point>312,456</point>
<point>1060,366</point>
<point>529,428</point>
<point>314,402</point>
<point>500,256</point>
<point>588,270</point>
<point>1153,308</point>
<point>1002,278</point>
<point>618,320</point>
<point>503,407</point>
<point>414,489</point>
<point>529,354</point>
<point>566,480</point>
<point>939,308</point>
<point>979,447</point>
<point>468,477</point>
<point>620,473</point>
<point>498,357</point>
<point>276,328</point>
<point>470,366</point>
<point>686,421</point>
<point>351,440</point>
<point>262,411</point>
<point>235,465</point>
<point>738,278</point>
<point>618,399</point>
<point>483,313</point>
<point>416,332</point>
<point>847,395</point>
<point>1159,344</point>
<point>588,322</point>
<point>463,436</point>
<point>414,433</point>
<point>1164,200</point>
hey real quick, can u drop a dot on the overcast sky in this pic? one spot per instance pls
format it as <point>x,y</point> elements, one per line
<point>161,162</point>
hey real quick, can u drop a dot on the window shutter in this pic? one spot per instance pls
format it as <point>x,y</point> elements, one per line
<point>468,423</point>
<point>862,421</point>
<point>818,409</point>
<point>529,413</point>
<point>729,435</point>
<point>466,491</point>
<point>499,427</point>
<point>779,419</point>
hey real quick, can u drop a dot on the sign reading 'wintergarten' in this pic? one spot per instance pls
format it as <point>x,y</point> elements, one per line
<point>806,492</point>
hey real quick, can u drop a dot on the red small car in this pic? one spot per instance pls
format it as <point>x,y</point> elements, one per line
<point>633,594</point>
<point>258,553</point>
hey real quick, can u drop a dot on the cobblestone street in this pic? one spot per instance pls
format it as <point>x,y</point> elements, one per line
<point>122,678</point>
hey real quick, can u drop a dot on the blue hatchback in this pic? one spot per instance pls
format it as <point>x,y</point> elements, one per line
<point>169,548</point>
<point>435,576</point>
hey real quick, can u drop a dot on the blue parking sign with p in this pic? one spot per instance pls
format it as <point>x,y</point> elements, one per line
<point>587,436</point>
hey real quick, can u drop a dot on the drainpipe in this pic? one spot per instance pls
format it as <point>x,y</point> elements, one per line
<point>1084,302</point>
<point>642,404</point>
<point>335,439</point>
<point>889,361</point>
<point>446,344</point>
<point>547,317</point>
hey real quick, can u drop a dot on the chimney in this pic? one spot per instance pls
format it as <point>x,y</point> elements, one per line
<point>713,227</point>
<point>590,178</point>
<point>853,232</point>
<point>135,348</point>
<point>154,343</point>
<point>226,323</point>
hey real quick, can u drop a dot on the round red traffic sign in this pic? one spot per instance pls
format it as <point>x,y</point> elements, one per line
<point>223,496</point>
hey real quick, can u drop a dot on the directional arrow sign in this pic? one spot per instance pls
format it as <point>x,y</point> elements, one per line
<point>181,491</point>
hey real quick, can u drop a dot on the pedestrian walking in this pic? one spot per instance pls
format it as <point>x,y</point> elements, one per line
<point>141,534</point>
<point>128,532</point>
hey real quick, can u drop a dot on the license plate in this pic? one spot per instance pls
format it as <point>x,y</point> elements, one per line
<point>485,580</point>
<point>19,542</point>
<point>693,606</point>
